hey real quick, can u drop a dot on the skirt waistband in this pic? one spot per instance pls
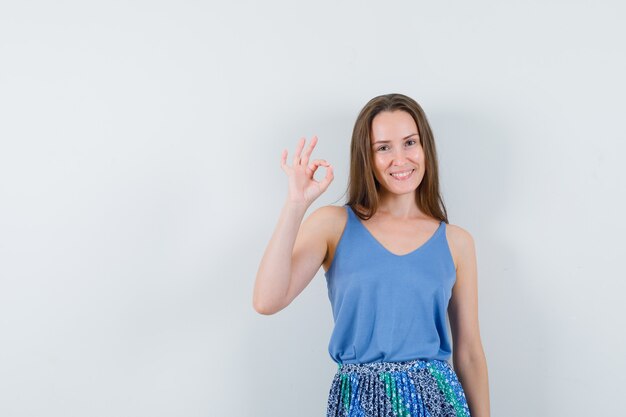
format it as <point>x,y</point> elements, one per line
<point>378,367</point>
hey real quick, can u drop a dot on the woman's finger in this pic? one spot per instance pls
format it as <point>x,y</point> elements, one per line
<point>327,179</point>
<point>307,154</point>
<point>296,157</point>
<point>313,165</point>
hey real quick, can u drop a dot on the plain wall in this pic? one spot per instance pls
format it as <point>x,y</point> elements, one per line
<point>140,182</point>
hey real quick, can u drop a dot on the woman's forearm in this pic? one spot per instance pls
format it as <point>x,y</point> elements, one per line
<point>472,373</point>
<point>274,273</point>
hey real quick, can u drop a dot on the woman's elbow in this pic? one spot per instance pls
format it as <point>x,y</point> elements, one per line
<point>264,307</point>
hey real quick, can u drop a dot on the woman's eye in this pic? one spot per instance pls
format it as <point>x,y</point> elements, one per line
<point>409,142</point>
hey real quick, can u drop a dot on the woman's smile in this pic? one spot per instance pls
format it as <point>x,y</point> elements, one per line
<point>402,175</point>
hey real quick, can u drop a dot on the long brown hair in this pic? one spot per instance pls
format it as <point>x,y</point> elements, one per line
<point>363,186</point>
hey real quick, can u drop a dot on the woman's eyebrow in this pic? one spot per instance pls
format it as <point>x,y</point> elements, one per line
<point>387,141</point>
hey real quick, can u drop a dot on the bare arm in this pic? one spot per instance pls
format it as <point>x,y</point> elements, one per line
<point>294,253</point>
<point>469,359</point>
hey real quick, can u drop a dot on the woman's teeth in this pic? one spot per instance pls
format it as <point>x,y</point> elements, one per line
<point>403,175</point>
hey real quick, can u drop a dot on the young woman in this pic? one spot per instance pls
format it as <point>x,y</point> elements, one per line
<point>394,267</point>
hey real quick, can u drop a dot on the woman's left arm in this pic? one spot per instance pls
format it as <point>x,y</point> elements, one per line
<point>468,356</point>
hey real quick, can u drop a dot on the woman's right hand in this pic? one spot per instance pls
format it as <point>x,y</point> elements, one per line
<point>303,188</point>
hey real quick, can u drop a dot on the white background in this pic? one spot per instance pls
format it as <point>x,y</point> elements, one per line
<point>140,182</point>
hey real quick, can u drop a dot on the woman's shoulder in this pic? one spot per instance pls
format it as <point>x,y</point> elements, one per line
<point>330,215</point>
<point>460,242</point>
<point>458,234</point>
<point>332,219</point>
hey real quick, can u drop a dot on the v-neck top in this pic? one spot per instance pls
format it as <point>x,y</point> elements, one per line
<point>389,307</point>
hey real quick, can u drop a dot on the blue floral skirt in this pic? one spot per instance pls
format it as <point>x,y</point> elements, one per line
<point>416,388</point>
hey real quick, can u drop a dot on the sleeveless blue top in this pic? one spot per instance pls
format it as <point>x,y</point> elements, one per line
<point>389,307</point>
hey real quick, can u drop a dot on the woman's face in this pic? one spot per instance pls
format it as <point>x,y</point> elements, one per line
<point>396,149</point>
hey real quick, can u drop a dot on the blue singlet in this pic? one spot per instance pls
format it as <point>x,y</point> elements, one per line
<point>389,307</point>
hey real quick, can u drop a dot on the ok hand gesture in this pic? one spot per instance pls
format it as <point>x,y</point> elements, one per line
<point>303,188</point>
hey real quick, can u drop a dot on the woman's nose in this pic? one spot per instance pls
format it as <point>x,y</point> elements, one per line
<point>399,157</point>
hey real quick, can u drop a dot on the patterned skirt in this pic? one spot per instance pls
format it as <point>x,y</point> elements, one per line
<point>416,388</point>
